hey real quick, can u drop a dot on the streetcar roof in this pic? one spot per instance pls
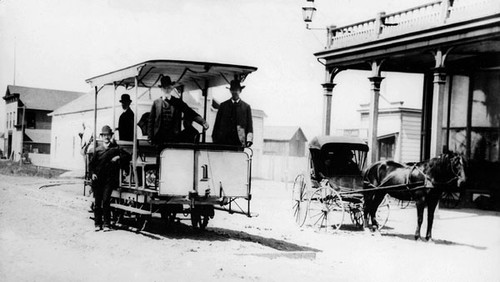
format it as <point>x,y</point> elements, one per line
<point>333,142</point>
<point>190,74</point>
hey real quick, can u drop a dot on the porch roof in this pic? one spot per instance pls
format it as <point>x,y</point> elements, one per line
<point>37,136</point>
<point>407,39</point>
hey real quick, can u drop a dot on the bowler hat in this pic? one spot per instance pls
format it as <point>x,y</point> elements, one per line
<point>165,81</point>
<point>235,84</point>
<point>125,99</point>
<point>106,130</point>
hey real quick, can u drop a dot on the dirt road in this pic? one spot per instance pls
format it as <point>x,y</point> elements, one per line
<point>46,235</point>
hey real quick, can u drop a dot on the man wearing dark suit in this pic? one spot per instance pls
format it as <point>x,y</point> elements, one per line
<point>233,124</point>
<point>126,121</point>
<point>166,115</point>
<point>104,169</point>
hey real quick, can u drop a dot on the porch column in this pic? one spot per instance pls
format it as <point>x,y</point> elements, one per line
<point>327,106</point>
<point>327,98</point>
<point>375,80</point>
<point>438,92</point>
<point>373,117</point>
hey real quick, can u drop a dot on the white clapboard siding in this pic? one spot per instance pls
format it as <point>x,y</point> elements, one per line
<point>410,143</point>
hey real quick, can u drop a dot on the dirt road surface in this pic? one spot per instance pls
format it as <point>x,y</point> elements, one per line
<point>46,235</point>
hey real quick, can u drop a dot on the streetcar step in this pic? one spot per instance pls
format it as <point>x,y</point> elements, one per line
<point>130,209</point>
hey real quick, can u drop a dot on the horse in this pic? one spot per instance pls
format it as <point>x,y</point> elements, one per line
<point>423,182</point>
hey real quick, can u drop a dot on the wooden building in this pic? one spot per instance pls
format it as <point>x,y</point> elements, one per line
<point>398,131</point>
<point>28,125</point>
<point>284,141</point>
<point>284,153</point>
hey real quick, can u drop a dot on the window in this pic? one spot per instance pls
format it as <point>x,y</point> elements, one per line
<point>387,148</point>
<point>30,119</point>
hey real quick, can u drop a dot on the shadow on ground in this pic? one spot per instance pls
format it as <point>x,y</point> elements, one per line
<point>411,237</point>
<point>156,229</point>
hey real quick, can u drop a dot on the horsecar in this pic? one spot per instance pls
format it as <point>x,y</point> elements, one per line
<point>182,179</point>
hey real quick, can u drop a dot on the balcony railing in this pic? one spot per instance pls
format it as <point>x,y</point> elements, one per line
<point>423,17</point>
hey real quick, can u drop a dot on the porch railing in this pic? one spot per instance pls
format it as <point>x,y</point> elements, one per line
<point>426,16</point>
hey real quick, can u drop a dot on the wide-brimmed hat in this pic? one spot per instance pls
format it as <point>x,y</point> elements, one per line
<point>235,84</point>
<point>106,130</point>
<point>166,81</point>
<point>125,99</point>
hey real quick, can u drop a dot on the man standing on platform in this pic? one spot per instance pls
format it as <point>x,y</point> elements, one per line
<point>126,121</point>
<point>166,115</point>
<point>233,124</point>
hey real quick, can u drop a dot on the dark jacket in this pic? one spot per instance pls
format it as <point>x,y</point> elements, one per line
<point>233,124</point>
<point>155,126</point>
<point>126,125</point>
<point>189,135</point>
<point>101,164</point>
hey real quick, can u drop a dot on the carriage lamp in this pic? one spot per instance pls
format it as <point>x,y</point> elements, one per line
<point>308,12</point>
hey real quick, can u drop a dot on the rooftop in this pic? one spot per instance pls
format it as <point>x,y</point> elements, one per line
<point>283,133</point>
<point>39,98</point>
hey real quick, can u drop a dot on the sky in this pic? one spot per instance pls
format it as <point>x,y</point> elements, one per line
<point>57,44</point>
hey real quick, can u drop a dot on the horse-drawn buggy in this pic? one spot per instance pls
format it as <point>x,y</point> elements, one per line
<point>333,188</point>
<point>338,183</point>
<point>181,178</point>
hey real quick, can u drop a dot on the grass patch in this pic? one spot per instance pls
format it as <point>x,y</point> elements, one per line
<point>13,168</point>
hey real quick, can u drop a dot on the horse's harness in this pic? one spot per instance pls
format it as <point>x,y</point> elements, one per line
<point>433,182</point>
<point>427,183</point>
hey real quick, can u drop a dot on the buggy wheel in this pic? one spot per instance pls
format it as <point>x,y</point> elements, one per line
<point>450,200</point>
<point>383,212</point>
<point>325,209</point>
<point>299,199</point>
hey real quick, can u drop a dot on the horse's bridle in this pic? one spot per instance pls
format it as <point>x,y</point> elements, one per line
<point>452,168</point>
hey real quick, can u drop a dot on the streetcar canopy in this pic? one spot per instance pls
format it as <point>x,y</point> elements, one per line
<point>189,74</point>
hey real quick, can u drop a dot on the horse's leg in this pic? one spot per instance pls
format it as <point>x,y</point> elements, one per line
<point>379,197</point>
<point>367,206</point>
<point>420,203</point>
<point>433,200</point>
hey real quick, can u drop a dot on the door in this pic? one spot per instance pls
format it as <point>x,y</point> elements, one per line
<point>9,145</point>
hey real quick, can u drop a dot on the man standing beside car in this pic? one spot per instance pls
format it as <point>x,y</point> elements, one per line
<point>104,169</point>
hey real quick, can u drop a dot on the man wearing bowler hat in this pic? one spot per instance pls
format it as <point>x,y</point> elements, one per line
<point>165,117</point>
<point>104,169</point>
<point>126,121</point>
<point>233,124</point>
